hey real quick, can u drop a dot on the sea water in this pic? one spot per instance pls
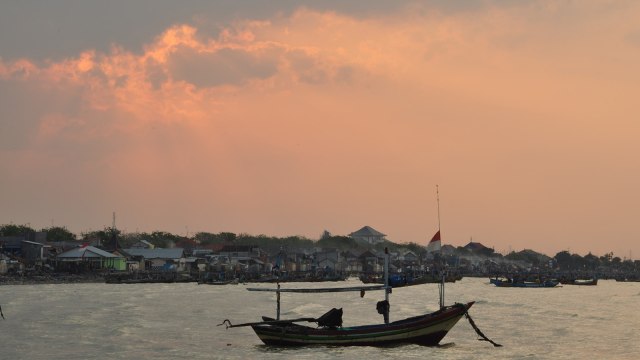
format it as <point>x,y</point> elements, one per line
<point>179,321</point>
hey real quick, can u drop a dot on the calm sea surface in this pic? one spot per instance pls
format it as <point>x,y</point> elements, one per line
<point>178,321</point>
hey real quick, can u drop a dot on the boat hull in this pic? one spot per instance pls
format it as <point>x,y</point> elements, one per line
<point>427,330</point>
<point>587,282</point>
<point>545,284</point>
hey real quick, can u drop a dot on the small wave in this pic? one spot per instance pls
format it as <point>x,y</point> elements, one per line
<point>446,345</point>
<point>307,309</point>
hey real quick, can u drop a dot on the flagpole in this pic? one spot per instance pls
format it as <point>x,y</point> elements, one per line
<point>438,201</point>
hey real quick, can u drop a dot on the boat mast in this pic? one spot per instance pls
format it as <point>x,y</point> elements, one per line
<point>438,202</point>
<point>441,285</point>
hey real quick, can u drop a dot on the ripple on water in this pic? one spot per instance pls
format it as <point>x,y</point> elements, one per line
<point>174,321</point>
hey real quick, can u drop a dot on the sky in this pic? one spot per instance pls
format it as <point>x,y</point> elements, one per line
<point>295,117</point>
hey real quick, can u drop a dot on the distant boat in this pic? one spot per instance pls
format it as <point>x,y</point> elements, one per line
<point>402,280</point>
<point>220,282</point>
<point>592,281</point>
<point>525,284</point>
<point>145,277</point>
<point>307,277</point>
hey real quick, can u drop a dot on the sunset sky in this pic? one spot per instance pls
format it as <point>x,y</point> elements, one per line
<point>293,117</point>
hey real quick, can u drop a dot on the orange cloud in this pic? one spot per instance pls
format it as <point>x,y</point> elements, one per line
<point>319,119</point>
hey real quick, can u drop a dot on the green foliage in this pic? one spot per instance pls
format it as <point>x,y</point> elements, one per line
<point>399,248</point>
<point>415,248</point>
<point>568,261</point>
<point>461,250</point>
<point>379,247</point>
<point>59,234</point>
<point>273,244</point>
<point>106,237</point>
<point>206,238</point>
<point>227,236</point>
<point>591,262</point>
<point>15,230</point>
<point>606,258</point>
<point>527,256</point>
<point>563,259</point>
<point>486,252</point>
<point>161,239</point>
<point>342,243</point>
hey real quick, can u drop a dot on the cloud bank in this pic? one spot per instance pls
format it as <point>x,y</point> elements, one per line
<point>318,119</point>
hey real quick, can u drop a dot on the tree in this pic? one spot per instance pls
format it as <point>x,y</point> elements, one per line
<point>15,230</point>
<point>227,236</point>
<point>206,238</point>
<point>325,235</point>
<point>578,262</point>
<point>616,261</point>
<point>415,248</point>
<point>162,239</point>
<point>338,242</point>
<point>487,252</point>
<point>528,256</point>
<point>59,234</point>
<point>606,258</point>
<point>108,238</point>
<point>563,259</point>
<point>592,261</point>
<point>461,250</point>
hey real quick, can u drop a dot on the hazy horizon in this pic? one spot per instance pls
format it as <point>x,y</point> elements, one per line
<point>292,118</point>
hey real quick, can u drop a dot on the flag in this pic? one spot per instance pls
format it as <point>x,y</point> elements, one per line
<point>435,244</point>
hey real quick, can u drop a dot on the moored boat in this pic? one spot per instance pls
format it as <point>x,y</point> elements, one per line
<point>426,329</point>
<point>220,282</point>
<point>402,280</point>
<point>523,284</point>
<point>592,281</point>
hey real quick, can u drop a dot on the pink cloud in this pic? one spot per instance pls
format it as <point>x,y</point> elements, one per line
<point>319,119</point>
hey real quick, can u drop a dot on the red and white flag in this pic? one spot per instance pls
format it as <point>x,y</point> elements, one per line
<point>435,244</point>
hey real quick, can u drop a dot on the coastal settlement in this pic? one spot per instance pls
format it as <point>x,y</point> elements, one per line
<point>109,255</point>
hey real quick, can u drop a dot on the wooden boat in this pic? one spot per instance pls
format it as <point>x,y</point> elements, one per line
<point>402,280</point>
<point>593,281</point>
<point>425,329</point>
<point>526,284</point>
<point>145,277</point>
<point>220,282</point>
<point>298,278</point>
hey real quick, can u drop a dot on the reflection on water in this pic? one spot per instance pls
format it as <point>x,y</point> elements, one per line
<point>178,321</point>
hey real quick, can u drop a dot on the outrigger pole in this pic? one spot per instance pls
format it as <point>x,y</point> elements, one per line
<point>386,286</point>
<point>381,306</point>
<point>278,300</point>
<point>361,289</point>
